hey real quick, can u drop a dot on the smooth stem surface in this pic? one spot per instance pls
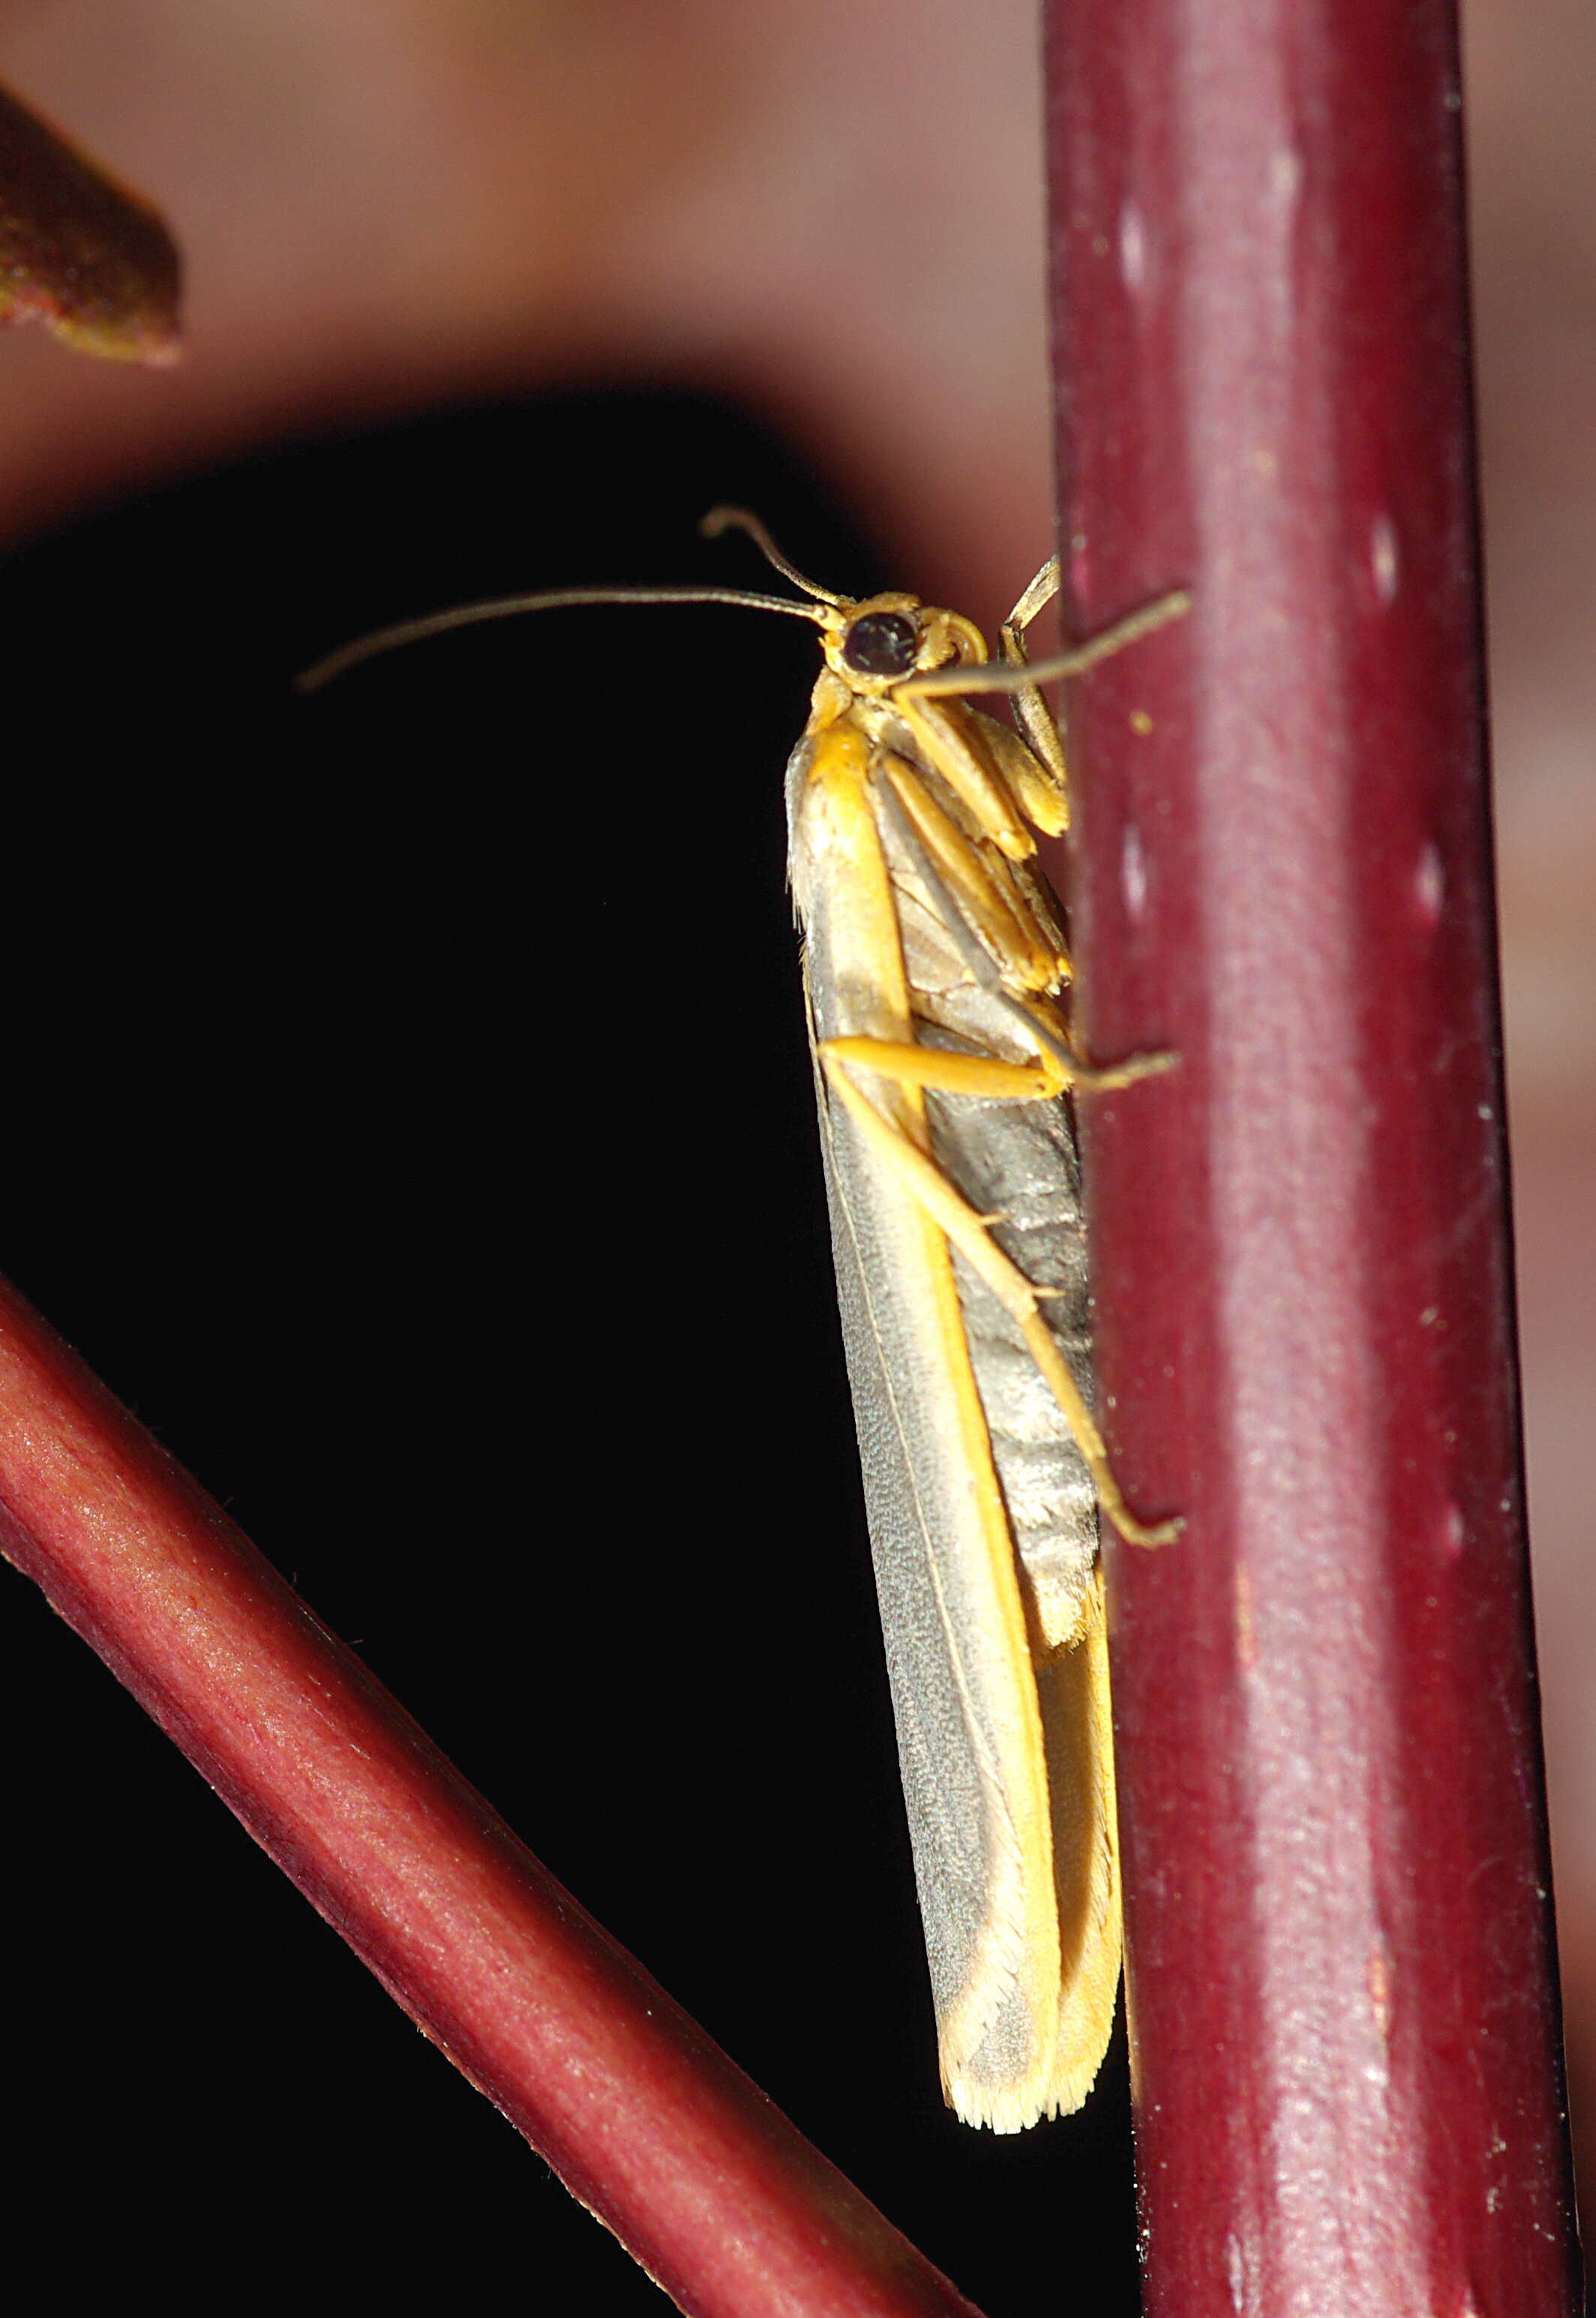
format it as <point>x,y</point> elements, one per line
<point>1341,1968</point>
<point>703,2180</point>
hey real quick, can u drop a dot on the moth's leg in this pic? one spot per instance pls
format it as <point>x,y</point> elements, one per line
<point>1032,769</point>
<point>1027,765</point>
<point>925,1183</point>
<point>1018,675</point>
<point>1036,901</point>
<point>1037,596</point>
<point>984,887</point>
<point>945,747</point>
<point>1030,708</point>
<point>950,1074</point>
<point>985,1075</point>
<point>985,971</point>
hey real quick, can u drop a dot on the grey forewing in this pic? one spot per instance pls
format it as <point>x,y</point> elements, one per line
<point>918,1502</point>
<point>952,1807</point>
<point>1020,1159</point>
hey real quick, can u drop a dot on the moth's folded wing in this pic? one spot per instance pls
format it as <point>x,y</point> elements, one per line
<point>970,1737</point>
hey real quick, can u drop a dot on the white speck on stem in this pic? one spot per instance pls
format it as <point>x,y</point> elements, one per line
<point>1235,2271</point>
<point>1286,175</point>
<point>1133,248</point>
<point>1132,871</point>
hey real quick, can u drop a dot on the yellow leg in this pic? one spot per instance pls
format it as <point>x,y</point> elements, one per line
<point>1037,596</point>
<point>1045,1033</point>
<point>1041,784</point>
<point>1035,718</point>
<point>985,1075</point>
<point>941,743</point>
<point>993,904</point>
<point>1027,764</point>
<point>925,1183</point>
<point>951,1074</point>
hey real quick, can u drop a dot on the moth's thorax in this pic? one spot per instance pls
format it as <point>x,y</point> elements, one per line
<point>836,709</point>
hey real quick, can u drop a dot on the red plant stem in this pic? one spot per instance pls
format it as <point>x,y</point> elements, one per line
<point>703,2181</point>
<point>1342,1976</point>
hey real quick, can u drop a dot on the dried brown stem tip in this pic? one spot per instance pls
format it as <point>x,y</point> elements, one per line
<point>78,252</point>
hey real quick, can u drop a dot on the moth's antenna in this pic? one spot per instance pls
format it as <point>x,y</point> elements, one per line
<point>1019,676</point>
<point>506,607</point>
<point>731,518</point>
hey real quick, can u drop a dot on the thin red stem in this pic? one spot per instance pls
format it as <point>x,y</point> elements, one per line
<point>649,2123</point>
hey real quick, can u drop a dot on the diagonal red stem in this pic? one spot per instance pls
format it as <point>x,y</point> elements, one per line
<point>702,2179</point>
<point>1341,1968</point>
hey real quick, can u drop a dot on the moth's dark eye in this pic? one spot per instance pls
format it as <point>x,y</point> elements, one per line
<point>881,643</point>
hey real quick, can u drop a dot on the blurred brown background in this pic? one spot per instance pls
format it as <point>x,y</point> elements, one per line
<point>832,215</point>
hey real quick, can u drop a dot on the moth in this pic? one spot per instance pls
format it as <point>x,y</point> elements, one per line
<point>936,981</point>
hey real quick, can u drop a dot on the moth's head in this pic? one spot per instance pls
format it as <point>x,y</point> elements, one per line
<point>875,643</point>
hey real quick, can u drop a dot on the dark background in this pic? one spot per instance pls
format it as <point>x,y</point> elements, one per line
<point>407,1113</point>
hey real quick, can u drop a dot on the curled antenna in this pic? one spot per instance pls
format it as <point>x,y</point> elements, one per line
<point>733,519</point>
<point>506,607</point>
